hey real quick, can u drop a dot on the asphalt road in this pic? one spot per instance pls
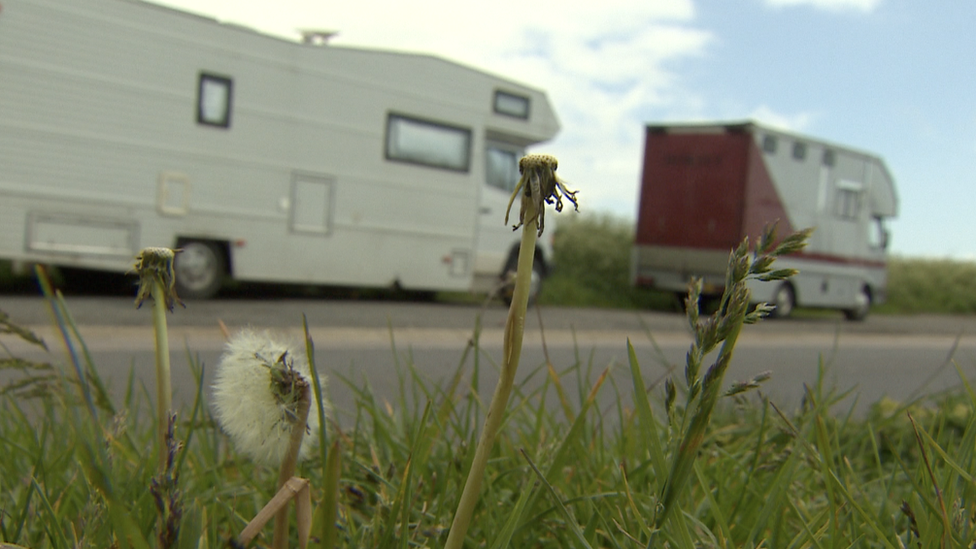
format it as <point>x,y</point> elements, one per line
<point>363,342</point>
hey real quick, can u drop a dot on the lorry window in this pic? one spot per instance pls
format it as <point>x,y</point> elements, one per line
<point>428,143</point>
<point>799,150</point>
<point>214,94</point>
<point>878,234</point>
<point>502,168</point>
<point>829,157</point>
<point>511,104</point>
<point>848,203</point>
<point>769,144</point>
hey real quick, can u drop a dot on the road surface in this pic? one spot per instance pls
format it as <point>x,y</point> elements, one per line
<point>368,341</point>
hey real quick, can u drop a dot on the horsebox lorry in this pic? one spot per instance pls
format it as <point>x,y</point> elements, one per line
<point>705,187</point>
<point>125,124</point>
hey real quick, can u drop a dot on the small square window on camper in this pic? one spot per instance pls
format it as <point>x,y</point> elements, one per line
<point>428,143</point>
<point>769,144</point>
<point>799,150</point>
<point>511,104</point>
<point>214,99</point>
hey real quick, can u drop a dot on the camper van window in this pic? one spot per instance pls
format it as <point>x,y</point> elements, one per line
<point>799,150</point>
<point>214,95</point>
<point>769,144</point>
<point>502,168</point>
<point>428,143</point>
<point>511,105</point>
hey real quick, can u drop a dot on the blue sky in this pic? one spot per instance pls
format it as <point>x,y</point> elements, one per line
<point>892,77</point>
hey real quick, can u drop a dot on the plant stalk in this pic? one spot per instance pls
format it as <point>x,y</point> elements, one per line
<point>164,390</point>
<point>514,331</point>
<point>287,471</point>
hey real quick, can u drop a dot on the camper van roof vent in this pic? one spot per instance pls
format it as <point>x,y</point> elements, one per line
<point>315,37</point>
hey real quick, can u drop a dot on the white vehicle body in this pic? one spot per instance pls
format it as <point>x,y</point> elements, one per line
<point>124,124</point>
<point>707,186</point>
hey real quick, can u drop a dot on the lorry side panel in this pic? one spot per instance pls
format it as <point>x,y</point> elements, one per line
<point>812,178</point>
<point>693,190</point>
<point>764,201</point>
<point>701,193</point>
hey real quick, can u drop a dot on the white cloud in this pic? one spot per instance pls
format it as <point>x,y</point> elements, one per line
<point>791,122</point>
<point>829,5</point>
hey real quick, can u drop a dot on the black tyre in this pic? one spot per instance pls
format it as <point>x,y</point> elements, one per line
<point>200,269</point>
<point>862,306</point>
<point>535,287</point>
<point>784,299</point>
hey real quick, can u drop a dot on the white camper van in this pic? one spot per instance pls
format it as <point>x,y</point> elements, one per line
<point>124,124</point>
<point>707,186</point>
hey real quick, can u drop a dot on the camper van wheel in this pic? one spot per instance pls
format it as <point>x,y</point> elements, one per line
<point>534,288</point>
<point>785,301</point>
<point>862,305</point>
<point>200,269</point>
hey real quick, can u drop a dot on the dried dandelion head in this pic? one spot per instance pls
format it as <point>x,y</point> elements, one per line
<point>156,265</point>
<point>539,186</point>
<point>258,385</point>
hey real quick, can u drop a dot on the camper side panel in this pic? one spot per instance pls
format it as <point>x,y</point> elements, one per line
<point>104,151</point>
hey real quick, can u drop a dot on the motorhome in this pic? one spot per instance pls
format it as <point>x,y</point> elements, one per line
<point>125,124</point>
<point>705,187</point>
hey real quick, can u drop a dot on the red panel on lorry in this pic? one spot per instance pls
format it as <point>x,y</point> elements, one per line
<point>763,203</point>
<point>693,189</point>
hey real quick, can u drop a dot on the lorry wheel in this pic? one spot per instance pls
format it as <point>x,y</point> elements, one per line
<point>785,301</point>
<point>200,268</point>
<point>862,305</point>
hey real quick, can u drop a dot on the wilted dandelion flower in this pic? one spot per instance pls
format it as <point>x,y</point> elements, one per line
<point>258,384</point>
<point>156,265</point>
<point>540,186</point>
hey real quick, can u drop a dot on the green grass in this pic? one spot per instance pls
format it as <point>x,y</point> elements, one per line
<point>563,473</point>
<point>931,286</point>
<point>658,468</point>
<point>592,256</point>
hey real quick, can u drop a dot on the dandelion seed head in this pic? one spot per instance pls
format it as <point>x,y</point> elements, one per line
<point>251,402</point>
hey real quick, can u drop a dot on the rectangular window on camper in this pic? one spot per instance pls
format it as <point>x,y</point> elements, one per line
<point>428,143</point>
<point>214,99</point>
<point>502,167</point>
<point>511,104</point>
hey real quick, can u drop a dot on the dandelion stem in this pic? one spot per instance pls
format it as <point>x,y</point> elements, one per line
<point>164,391</point>
<point>290,461</point>
<point>514,329</point>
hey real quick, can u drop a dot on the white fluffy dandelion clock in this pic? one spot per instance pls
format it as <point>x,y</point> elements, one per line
<point>256,394</point>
